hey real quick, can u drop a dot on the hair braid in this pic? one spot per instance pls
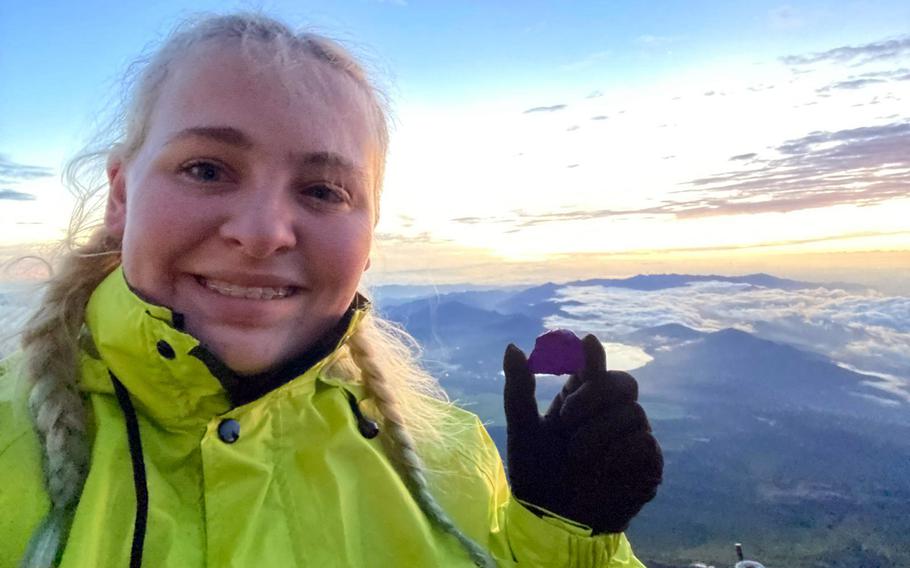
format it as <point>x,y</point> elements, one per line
<point>50,347</point>
<point>402,446</point>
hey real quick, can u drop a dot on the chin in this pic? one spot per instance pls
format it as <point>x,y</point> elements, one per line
<point>245,359</point>
<point>247,367</point>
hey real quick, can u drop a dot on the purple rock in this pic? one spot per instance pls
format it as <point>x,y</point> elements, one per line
<point>557,352</point>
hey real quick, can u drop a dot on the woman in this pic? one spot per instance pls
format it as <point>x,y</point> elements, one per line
<point>207,387</point>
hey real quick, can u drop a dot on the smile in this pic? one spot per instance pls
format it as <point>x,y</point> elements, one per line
<point>247,292</point>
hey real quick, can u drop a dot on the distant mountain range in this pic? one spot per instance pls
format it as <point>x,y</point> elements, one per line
<point>488,297</point>
<point>803,460</point>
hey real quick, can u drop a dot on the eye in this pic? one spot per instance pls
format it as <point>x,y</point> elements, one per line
<point>204,171</point>
<point>325,193</point>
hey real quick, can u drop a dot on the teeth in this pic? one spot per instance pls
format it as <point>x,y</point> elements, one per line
<point>253,293</point>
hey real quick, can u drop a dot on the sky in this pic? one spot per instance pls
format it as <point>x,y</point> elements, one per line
<point>542,141</point>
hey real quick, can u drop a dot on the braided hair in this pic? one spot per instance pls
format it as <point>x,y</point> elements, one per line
<point>51,355</point>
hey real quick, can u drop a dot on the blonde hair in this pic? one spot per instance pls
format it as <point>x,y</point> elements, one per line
<point>378,355</point>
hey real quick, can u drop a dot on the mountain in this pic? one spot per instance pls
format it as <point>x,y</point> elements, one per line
<point>662,337</point>
<point>394,294</point>
<point>544,300</point>
<point>777,446</point>
<point>664,281</point>
<point>731,365</point>
<point>463,344</point>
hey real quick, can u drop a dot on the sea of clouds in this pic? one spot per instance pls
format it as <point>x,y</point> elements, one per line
<point>867,332</point>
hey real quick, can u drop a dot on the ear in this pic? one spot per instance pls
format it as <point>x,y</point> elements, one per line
<point>115,210</point>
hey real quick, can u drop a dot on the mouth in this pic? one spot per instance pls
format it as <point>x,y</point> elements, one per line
<point>247,292</point>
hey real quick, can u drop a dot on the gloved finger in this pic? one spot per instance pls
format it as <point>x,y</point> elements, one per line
<point>571,385</point>
<point>622,387</point>
<point>635,464</point>
<point>579,407</point>
<point>595,356</point>
<point>597,395</point>
<point>629,472</point>
<point>601,435</point>
<point>518,394</point>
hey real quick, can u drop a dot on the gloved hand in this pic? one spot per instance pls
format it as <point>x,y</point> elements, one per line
<point>591,458</point>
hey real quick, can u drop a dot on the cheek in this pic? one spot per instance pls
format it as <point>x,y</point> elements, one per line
<point>160,229</point>
<point>339,254</point>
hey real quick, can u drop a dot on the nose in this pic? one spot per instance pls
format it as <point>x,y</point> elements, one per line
<point>260,226</point>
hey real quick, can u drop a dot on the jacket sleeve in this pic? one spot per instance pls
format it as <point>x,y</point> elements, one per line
<point>519,537</point>
<point>23,500</point>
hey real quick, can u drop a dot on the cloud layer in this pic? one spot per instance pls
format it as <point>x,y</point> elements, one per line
<point>551,108</point>
<point>13,195</point>
<point>11,172</point>
<point>859,166</point>
<point>868,332</point>
<point>855,54</point>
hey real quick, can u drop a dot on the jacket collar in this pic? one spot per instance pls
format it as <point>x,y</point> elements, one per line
<point>170,375</point>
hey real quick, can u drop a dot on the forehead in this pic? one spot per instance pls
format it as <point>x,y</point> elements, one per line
<point>304,106</point>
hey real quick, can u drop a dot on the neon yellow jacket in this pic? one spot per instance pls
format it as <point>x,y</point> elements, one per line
<point>300,486</point>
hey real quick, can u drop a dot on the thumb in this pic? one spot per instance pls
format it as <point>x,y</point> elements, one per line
<point>518,395</point>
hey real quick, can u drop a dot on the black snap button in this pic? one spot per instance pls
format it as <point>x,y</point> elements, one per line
<point>368,428</point>
<point>229,431</point>
<point>165,349</point>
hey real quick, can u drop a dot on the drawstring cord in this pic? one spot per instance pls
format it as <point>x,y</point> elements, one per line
<point>139,481</point>
<point>369,429</point>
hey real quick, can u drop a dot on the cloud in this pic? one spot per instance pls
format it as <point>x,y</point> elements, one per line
<point>14,195</point>
<point>855,54</point>
<point>818,170</point>
<point>14,172</point>
<point>743,156</point>
<point>552,108</point>
<point>594,94</point>
<point>600,117</point>
<point>573,128</point>
<point>855,82</point>
<point>868,332</point>
<point>851,84</point>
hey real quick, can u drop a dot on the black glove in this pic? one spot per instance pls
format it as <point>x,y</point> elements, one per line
<point>591,458</point>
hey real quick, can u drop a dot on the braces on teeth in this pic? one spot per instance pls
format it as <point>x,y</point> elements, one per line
<point>254,293</point>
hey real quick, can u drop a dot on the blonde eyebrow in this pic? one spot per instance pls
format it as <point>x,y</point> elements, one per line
<point>326,160</point>
<point>224,134</point>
